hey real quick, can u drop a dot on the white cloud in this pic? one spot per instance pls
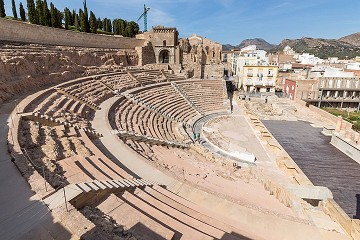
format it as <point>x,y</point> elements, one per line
<point>159,17</point>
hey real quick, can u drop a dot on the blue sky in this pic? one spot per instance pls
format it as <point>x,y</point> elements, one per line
<point>230,21</point>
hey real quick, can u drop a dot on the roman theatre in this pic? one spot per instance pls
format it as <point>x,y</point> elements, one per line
<point>109,137</point>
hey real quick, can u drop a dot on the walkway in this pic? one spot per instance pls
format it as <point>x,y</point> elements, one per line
<point>20,212</point>
<point>324,164</point>
<point>198,127</point>
<point>114,148</point>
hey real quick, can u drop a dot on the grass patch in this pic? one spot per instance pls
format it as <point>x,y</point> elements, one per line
<point>352,117</point>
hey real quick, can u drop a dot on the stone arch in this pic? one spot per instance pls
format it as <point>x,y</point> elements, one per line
<point>164,56</point>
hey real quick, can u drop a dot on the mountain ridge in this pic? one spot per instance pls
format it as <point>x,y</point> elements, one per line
<point>344,48</point>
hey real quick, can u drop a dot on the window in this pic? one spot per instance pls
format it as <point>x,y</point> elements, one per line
<point>164,43</point>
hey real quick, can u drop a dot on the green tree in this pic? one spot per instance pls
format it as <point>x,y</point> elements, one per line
<point>123,25</point>
<point>93,23</point>
<point>116,27</point>
<point>100,24</point>
<point>53,15</point>
<point>107,25</point>
<point>2,9</point>
<point>22,12</point>
<point>73,17</point>
<point>85,19</point>
<point>47,15</point>
<point>33,15</point>
<point>14,9</point>
<point>40,12</point>
<point>76,22</point>
<point>132,28</point>
<point>59,18</point>
<point>81,20</point>
<point>67,18</point>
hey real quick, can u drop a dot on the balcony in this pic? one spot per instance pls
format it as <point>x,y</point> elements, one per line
<point>269,83</point>
<point>249,83</point>
<point>250,75</point>
<point>258,84</point>
<point>270,75</point>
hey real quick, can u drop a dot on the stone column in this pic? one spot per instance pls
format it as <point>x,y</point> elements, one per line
<point>348,135</point>
<point>357,138</point>
<point>338,124</point>
<point>343,125</point>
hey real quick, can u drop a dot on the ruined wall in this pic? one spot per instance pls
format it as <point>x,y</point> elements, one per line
<point>29,67</point>
<point>146,54</point>
<point>214,71</point>
<point>11,30</point>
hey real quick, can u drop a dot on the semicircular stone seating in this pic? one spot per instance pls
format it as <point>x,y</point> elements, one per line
<point>55,133</point>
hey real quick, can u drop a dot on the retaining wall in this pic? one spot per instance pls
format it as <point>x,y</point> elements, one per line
<point>18,31</point>
<point>319,111</point>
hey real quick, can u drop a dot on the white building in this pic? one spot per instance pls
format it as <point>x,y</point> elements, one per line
<point>353,66</point>
<point>331,72</point>
<point>309,59</point>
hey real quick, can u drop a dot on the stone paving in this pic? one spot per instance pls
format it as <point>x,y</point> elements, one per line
<point>324,164</point>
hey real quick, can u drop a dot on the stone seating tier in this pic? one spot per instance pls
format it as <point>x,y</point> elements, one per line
<point>127,117</point>
<point>93,91</point>
<point>159,211</point>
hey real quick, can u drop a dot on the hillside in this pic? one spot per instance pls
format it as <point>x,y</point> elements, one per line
<point>353,39</point>
<point>322,48</point>
<point>259,42</point>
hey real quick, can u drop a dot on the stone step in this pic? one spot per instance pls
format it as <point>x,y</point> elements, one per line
<point>80,193</point>
<point>138,222</point>
<point>187,231</point>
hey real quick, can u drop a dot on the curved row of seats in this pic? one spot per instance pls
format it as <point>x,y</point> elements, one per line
<point>147,76</point>
<point>69,152</point>
<point>138,119</point>
<point>167,101</point>
<point>208,96</point>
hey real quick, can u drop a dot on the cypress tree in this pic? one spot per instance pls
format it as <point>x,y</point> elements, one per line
<point>122,27</point>
<point>86,19</point>
<point>2,9</point>
<point>22,12</point>
<point>105,24</point>
<point>33,15</point>
<point>14,9</point>
<point>73,17</point>
<point>67,18</point>
<point>93,23</point>
<point>109,27</point>
<point>46,14</point>
<point>100,24</point>
<point>59,18</point>
<point>82,21</point>
<point>116,27</point>
<point>76,22</point>
<point>40,12</point>
<point>53,15</point>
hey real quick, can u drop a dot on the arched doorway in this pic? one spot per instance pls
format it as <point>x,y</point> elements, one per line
<point>164,56</point>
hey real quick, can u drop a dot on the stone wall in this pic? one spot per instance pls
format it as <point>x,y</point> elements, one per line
<point>146,54</point>
<point>319,111</point>
<point>17,31</point>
